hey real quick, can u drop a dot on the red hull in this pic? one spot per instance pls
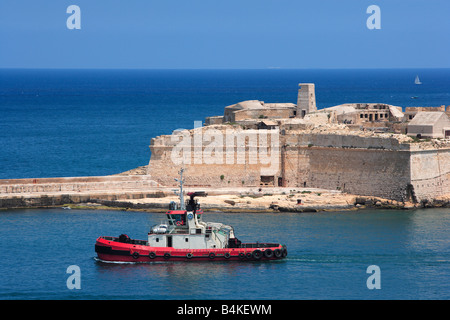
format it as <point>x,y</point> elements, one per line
<point>109,249</point>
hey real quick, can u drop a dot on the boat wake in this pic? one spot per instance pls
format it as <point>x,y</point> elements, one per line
<point>114,262</point>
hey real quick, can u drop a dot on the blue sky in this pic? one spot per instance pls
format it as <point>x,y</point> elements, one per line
<point>224,34</point>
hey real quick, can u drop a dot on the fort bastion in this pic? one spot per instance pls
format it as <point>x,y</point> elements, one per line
<point>360,148</point>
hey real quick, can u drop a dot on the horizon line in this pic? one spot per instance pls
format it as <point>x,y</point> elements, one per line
<point>266,68</point>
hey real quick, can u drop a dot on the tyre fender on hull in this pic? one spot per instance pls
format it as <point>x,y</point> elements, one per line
<point>166,255</point>
<point>152,255</point>
<point>278,253</point>
<point>135,255</point>
<point>268,253</point>
<point>257,254</point>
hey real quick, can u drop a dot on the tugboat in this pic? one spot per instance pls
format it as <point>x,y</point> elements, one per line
<point>186,237</point>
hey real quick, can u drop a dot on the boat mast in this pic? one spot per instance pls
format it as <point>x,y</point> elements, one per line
<point>182,206</point>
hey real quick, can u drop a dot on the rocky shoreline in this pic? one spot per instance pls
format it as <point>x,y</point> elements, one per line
<point>302,201</point>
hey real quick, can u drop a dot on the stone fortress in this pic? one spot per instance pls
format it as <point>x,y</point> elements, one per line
<point>257,154</point>
<point>368,149</point>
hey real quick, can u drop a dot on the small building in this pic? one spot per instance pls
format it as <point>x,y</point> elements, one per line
<point>410,112</point>
<point>366,114</point>
<point>213,120</point>
<point>429,125</point>
<point>255,109</point>
<point>267,124</point>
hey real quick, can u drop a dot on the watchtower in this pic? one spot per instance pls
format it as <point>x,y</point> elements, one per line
<point>306,101</point>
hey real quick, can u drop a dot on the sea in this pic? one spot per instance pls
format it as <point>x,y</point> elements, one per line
<point>58,123</point>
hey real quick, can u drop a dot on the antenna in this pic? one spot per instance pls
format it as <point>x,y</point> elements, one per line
<point>182,206</point>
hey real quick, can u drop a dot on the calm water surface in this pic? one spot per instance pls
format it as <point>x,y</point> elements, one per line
<point>328,257</point>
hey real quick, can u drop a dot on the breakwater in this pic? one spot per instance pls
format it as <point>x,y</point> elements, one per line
<point>45,192</point>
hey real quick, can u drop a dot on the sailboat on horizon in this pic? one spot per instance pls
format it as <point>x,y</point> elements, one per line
<point>417,81</point>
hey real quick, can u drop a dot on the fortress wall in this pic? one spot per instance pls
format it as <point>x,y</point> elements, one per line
<point>163,170</point>
<point>226,169</point>
<point>346,141</point>
<point>358,165</point>
<point>296,166</point>
<point>234,162</point>
<point>430,173</point>
<point>380,173</point>
<point>354,163</point>
<point>75,184</point>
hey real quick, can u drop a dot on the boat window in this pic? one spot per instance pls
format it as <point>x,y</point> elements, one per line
<point>169,218</point>
<point>179,218</point>
<point>176,219</point>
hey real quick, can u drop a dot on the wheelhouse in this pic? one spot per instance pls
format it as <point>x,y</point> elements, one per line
<point>176,217</point>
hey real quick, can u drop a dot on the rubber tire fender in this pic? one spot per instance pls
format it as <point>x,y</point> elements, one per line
<point>166,255</point>
<point>278,253</point>
<point>257,254</point>
<point>135,255</point>
<point>152,255</point>
<point>268,253</point>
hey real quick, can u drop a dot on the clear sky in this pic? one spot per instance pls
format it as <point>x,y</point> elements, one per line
<point>225,34</point>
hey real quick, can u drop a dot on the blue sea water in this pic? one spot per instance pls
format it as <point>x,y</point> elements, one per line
<point>328,257</point>
<point>97,122</point>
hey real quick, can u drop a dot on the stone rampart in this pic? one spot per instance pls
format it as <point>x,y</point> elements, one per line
<point>361,163</point>
<point>430,172</point>
<point>75,184</point>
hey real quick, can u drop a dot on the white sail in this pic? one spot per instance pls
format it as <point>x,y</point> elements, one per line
<point>417,81</point>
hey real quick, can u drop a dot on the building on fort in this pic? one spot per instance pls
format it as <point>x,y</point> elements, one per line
<point>410,112</point>
<point>429,125</point>
<point>379,117</point>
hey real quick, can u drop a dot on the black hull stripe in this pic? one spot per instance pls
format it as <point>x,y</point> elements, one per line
<point>109,250</point>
